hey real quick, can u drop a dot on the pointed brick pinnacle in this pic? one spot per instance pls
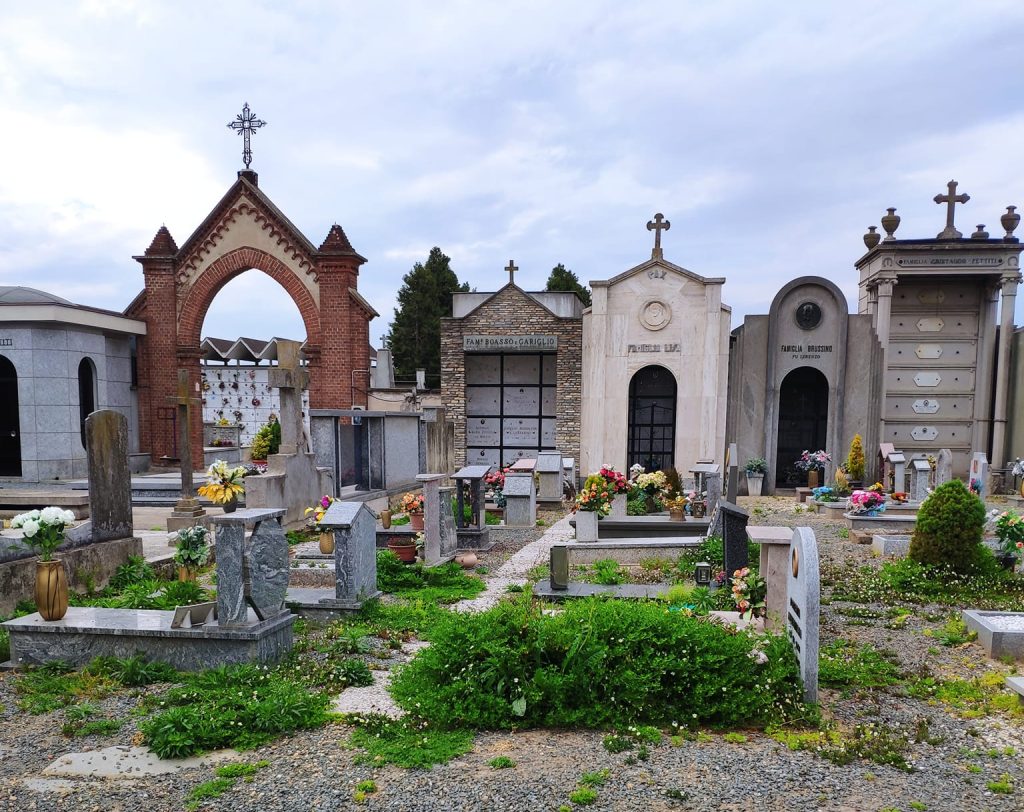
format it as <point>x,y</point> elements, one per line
<point>336,242</point>
<point>163,244</point>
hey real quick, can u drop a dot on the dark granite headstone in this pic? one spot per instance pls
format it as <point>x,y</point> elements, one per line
<point>559,567</point>
<point>734,536</point>
<point>110,482</point>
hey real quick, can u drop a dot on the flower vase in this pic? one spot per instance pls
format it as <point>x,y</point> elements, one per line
<point>186,574</point>
<point>385,519</point>
<point>51,589</point>
<point>416,521</point>
<point>676,514</point>
<point>327,543</point>
<point>231,505</point>
<point>812,479</point>
<point>586,525</point>
<point>754,484</point>
<point>618,510</point>
<point>698,509</point>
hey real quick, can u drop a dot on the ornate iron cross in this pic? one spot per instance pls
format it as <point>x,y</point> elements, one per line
<point>245,124</point>
<point>657,225</point>
<point>951,198</point>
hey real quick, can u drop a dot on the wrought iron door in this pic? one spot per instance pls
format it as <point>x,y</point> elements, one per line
<point>652,419</point>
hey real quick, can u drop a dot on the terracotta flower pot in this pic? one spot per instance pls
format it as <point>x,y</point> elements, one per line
<point>51,589</point>
<point>416,521</point>
<point>676,514</point>
<point>327,543</point>
<point>405,552</point>
<point>467,560</point>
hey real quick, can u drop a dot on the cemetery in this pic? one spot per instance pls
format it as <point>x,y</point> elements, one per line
<point>553,572</point>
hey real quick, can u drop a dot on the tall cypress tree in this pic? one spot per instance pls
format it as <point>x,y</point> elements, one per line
<point>414,336</point>
<point>562,279</point>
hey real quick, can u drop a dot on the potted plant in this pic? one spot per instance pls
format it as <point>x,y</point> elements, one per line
<point>677,508</point>
<point>412,506</point>
<point>755,468</point>
<point>813,463</point>
<point>314,515</point>
<point>494,481</point>
<point>261,445</point>
<point>405,547</point>
<point>592,502</point>
<point>866,503</point>
<point>223,485</point>
<point>1010,532</point>
<point>192,550</point>
<point>855,462</point>
<point>654,485</point>
<point>43,532</point>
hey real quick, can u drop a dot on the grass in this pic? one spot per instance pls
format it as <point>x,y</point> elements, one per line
<point>444,584</point>
<point>57,685</point>
<point>953,633</point>
<point>971,698</point>
<point>406,743</point>
<point>595,779</point>
<point>843,664</point>
<point>583,796</point>
<point>227,777</point>
<point>1004,786</point>
<point>501,763</point>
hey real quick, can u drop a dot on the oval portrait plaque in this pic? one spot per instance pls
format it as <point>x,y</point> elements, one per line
<point>808,316</point>
<point>655,315</point>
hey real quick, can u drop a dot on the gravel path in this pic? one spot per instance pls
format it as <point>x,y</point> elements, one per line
<point>316,770</point>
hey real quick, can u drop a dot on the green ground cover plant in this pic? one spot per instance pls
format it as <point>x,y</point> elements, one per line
<point>501,763</point>
<point>145,594</point>
<point>513,666</point>
<point>444,584</point>
<point>843,664</point>
<point>239,706</point>
<point>406,742</point>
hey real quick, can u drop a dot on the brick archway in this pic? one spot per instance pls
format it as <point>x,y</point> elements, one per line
<point>245,231</point>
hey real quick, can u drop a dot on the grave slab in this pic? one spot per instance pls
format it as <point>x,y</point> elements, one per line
<point>130,762</point>
<point>886,545</point>
<point>1000,633</point>
<point>883,521</point>
<point>650,526</point>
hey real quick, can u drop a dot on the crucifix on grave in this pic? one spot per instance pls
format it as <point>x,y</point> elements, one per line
<point>290,379</point>
<point>657,225</point>
<point>187,510</point>
<point>511,268</point>
<point>951,198</point>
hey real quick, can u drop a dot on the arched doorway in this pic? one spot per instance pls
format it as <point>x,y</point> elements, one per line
<point>803,421</point>
<point>86,394</point>
<point>10,423</point>
<point>652,419</point>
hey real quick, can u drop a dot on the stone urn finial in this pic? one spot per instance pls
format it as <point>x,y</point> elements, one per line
<point>980,234</point>
<point>872,238</point>
<point>1010,221</point>
<point>890,222</point>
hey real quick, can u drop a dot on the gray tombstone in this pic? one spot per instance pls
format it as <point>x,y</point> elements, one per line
<point>355,553</point>
<point>733,482</point>
<point>919,474</point>
<point>110,481</point>
<point>700,472</point>
<point>250,572</point>
<point>559,567</point>
<point>734,536</point>
<point>943,466</point>
<point>803,590</point>
<point>520,500</point>
<point>549,466</point>
<point>899,471</point>
<point>713,485</point>
<point>449,531</point>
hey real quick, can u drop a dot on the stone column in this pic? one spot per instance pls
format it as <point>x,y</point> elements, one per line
<point>1009,288</point>
<point>883,317</point>
<point>981,432</point>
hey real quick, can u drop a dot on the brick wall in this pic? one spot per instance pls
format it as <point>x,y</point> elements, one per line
<point>510,312</point>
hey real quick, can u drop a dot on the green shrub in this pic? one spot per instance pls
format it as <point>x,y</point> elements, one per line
<point>600,663</point>
<point>133,672</point>
<point>134,570</point>
<point>636,505</point>
<point>949,530</point>
<point>855,459</point>
<point>261,443</point>
<point>607,572</point>
<point>444,584</point>
<point>239,706</point>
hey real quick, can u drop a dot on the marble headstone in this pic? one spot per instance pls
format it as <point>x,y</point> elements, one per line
<point>110,483</point>
<point>713,485</point>
<point>250,572</point>
<point>919,474</point>
<point>520,500</point>
<point>899,471</point>
<point>943,466</point>
<point>549,467</point>
<point>355,553</point>
<point>803,590</point>
<point>449,530</point>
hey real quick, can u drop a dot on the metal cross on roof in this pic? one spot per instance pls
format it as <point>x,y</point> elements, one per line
<point>657,225</point>
<point>951,198</point>
<point>511,268</point>
<point>245,124</point>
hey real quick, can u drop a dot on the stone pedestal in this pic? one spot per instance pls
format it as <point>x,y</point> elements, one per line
<point>355,554</point>
<point>549,466</point>
<point>520,500</point>
<point>898,464</point>
<point>472,534</point>
<point>253,572</point>
<point>439,534</point>
<point>586,525</point>
<point>618,510</point>
<point>774,560</point>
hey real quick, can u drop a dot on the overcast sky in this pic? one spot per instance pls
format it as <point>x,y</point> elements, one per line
<point>770,135</point>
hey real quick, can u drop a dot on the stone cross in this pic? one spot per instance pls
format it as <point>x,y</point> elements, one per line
<point>657,225</point>
<point>511,268</point>
<point>290,379</point>
<point>187,508</point>
<point>951,198</point>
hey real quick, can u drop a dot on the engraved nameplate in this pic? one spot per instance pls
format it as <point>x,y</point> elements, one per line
<point>928,351</point>
<point>930,325</point>
<point>927,379</point>
<point>924,433</point>
<point>926,406</point>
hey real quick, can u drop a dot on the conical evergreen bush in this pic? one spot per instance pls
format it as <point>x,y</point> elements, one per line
<point>950,526</point>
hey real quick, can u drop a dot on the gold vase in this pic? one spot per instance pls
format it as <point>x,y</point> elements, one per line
<point>385,519</point>
<point>812,479</point>
<point>186,574</point>
<point>51,589</point>
<point>327,543</point>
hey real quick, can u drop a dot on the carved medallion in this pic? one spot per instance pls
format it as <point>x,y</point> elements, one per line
<point>655,315</point>
<point>808,316</point>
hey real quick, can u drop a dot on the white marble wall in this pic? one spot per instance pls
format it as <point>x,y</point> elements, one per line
<point>47,360</point>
